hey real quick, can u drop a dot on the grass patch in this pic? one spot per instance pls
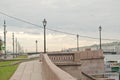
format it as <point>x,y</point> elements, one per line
<point>22,56</point>
<point>7,62</point>
<point>7,71</point>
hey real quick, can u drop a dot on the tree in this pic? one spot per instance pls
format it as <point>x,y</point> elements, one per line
<point>1,43</point>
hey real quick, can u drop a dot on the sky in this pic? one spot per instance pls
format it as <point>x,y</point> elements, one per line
<point>81,17</point>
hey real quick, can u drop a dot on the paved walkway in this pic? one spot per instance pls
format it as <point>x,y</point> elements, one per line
<point>28,71</point>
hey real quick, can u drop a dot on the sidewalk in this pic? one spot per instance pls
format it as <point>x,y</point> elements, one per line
<point>28,71</point>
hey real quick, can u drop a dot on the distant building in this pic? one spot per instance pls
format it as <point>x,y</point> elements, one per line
<point>113,47</point>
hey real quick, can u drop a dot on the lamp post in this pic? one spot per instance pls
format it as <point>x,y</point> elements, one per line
<point>36,46</point>
<point>100,28</point>
<point>16,47</point>
<point>77,42</point>
<point>44,24</point>
<point>13,44</point>
<point>5,31</point>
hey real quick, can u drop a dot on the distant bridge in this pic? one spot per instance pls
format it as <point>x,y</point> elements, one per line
<point>109,52</point>
<point>31,53</point>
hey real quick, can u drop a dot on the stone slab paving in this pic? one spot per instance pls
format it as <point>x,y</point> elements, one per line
<point>28,71</point>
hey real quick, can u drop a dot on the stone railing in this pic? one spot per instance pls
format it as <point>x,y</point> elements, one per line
<point>52,72</point>
<point>64,57</point>
<point>88,54</point>
<point>76,56</point>
<point>61,57</point>
<point>90,62</point>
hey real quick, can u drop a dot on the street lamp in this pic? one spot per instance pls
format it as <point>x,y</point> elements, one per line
<point>44,24</point>
<point>77,42</point>
<point>36,46</point>
<point>100,28</point>
<point>13,44</point>
<point>5,31</point>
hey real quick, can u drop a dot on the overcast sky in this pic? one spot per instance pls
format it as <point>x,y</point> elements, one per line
<point>74,16</point>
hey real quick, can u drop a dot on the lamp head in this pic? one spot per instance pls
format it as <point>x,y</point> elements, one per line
<point>44,22</point>
<point>100,28</point>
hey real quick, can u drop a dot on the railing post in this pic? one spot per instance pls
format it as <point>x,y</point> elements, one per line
<point>76,57</point>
